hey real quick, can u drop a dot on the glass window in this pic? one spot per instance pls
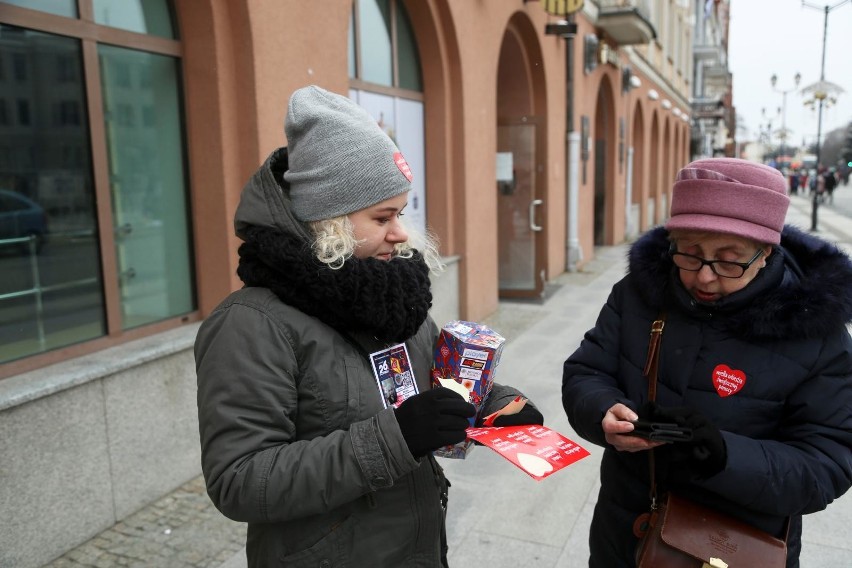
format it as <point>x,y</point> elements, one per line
<point>23,112</point>
<point>147,182</point>
<point>51,290</point>
<point>408,60</point>
<point>60,284</point>
<point>375,38</point>
<point>141,16</point>
<point>19,67</point>
<point>67,8</point>
<point>382,47</point>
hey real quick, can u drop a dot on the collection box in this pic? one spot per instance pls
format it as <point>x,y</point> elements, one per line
<point>466,359</point>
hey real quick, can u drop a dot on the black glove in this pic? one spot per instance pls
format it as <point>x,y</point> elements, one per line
<point>704,455</point>
<point>433,419</point>
<point>527,415</point>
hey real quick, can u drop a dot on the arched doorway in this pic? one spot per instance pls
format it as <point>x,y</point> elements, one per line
<point>604,136</point>
<point>520,169</point>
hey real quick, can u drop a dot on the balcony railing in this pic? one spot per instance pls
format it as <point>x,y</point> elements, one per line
<point>712,53</point>
<point>627,22</point>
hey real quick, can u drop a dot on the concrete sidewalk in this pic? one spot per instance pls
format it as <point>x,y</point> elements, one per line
<point>545,524</point>
<point>521,522</point>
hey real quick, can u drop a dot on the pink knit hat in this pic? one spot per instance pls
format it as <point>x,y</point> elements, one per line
<point>731,196</point>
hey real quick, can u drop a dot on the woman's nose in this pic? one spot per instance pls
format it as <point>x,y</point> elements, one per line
<point>706,274</point>
<point>397,234</point>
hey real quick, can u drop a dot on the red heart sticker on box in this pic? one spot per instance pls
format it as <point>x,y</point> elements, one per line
<point>728,381</point>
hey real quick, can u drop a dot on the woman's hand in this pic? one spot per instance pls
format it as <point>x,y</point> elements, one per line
<point>618,421</point>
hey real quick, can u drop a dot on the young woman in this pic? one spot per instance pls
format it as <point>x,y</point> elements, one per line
<point>755,358</point>
<point>297,438</point>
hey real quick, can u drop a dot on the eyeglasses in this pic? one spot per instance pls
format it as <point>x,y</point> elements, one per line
<point>723,268</point>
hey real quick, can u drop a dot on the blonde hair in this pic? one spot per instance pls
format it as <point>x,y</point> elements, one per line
<point>334,243</point>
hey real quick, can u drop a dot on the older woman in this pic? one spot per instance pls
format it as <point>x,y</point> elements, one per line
<point>755,357</point>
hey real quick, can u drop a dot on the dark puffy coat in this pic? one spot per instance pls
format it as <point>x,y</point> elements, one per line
<point>788,430</point>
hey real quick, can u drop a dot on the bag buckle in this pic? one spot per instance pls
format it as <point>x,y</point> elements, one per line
<point>715,563</point>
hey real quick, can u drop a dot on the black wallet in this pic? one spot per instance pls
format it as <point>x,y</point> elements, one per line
<point>660,431</point>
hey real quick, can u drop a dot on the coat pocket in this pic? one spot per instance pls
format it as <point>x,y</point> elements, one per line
<point>331,551</point>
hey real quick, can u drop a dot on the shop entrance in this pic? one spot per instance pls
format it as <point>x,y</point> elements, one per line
<point>520,230</point>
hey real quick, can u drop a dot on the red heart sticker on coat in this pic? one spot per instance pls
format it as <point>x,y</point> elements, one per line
<point>728,381</point>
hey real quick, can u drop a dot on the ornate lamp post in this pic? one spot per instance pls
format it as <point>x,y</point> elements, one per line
<point>821,91</point>
<point>766,129</point>
<point>782,134</point>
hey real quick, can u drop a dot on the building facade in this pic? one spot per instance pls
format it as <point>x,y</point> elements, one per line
<point>128,129</point>
<point>713,115</point>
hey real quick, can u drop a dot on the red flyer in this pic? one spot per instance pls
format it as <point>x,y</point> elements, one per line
<point>537,450</point>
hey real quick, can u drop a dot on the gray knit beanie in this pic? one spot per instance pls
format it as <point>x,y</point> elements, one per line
<point>340,159</point>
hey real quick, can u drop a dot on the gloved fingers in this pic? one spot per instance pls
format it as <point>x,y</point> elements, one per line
<point>448,422</point>
<point>456,407</point>
<point>648,411</point>
<point>527,415</point>
<point>697,422</point>
<point>450,437</point>
<point>701,452</point>
<point>680,415</point>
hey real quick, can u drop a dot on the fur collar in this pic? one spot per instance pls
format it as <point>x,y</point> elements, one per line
<point>811,297</point>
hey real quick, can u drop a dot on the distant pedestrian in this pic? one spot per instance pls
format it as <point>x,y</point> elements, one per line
<point>295,437</point>
<point>755,357</point>
<point>819,188</point>
<point>830,184</point>
<point>794,182</point>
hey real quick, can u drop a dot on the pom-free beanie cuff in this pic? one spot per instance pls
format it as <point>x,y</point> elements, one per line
<point>341,161</point>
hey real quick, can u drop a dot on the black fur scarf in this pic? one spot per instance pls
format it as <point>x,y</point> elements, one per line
<point>386,299</point>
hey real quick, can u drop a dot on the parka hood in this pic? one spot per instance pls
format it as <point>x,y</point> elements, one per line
<point>265,200</point>
<point>812,299</point>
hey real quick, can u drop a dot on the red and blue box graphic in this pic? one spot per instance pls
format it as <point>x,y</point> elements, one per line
<point>466,359</point>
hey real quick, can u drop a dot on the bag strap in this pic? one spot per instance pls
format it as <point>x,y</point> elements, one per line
<point>650,373</point>
<point>652,362</point>
<point>653,359</point>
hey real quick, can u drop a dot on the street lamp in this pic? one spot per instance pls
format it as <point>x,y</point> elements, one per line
<point>766,129</point>
<point>820,91</point>
<point>783,133</point>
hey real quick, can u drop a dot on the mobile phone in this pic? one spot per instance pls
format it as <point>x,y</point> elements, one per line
<point>660,431</point>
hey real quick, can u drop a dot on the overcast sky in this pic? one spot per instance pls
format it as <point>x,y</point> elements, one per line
<point>784,37</point>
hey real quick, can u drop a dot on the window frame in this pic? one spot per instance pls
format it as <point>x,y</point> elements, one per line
<point>90,34</point>
<point>360,84</point>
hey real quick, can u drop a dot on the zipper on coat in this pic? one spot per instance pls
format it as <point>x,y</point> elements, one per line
<point>371,499</point>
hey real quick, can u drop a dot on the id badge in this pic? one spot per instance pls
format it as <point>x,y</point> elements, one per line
<point>394,377</point>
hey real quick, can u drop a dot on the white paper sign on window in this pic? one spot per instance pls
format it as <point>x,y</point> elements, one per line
<point>504,166</point>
